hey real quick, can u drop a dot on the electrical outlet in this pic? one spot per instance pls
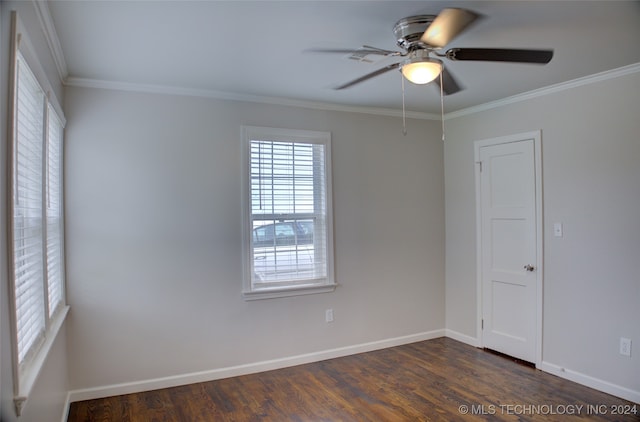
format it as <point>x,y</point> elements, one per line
<point>328,315</point>
<point>625,346</point>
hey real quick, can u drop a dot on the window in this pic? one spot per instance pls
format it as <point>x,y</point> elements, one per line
<point>288,242</point>
<point>36,232</point>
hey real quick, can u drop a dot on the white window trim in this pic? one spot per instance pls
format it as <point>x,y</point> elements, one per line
<point>249,133</point>
<point>25,378</point>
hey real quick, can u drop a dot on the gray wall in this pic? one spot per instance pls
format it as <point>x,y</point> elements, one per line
<point>153,236</point>
<point>591,183</point>
<point>46,401</point>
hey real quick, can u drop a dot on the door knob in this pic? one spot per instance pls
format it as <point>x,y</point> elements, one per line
<point>529,268</point>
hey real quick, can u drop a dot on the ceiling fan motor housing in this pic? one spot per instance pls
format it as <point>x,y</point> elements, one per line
<point>408,31</point>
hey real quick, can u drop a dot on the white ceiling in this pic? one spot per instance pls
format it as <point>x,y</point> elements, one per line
<point>256,48</point>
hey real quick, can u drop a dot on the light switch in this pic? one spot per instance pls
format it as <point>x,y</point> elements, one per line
<point>557,229</point>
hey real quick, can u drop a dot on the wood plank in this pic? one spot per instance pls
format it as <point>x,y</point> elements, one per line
<point>424,381</point>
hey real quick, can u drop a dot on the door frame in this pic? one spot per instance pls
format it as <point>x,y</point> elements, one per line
<point>536,136</point>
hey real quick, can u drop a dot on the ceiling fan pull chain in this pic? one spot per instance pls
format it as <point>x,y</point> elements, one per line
<point>404,122</point>
<point>442,102</point>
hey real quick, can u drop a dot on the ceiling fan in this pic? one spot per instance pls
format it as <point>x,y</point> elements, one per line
<point>423,37</point>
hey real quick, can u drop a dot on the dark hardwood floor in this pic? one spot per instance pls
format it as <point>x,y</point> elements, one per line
<point>434,380</point>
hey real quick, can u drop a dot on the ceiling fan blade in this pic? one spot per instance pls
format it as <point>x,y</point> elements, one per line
<point>500,55</point>
<point>364,50</point>
<point>449,83</point>
<point>447,25</point>
<point>368,76</point>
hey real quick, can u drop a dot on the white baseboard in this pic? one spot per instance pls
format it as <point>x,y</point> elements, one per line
<point>471,341</point>
<point>215,374</point>
<point>233,371</point>
<point>589,381</point>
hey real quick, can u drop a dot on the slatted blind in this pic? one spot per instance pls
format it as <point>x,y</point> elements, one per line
<point>288,201</point>
<point>55,280</point>
<point>28,247</point>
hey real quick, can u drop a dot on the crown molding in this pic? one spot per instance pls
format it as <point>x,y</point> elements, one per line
<point>551,89</point>
<point>172,90</point>
<point>50,34</point>
<point>222,95</point>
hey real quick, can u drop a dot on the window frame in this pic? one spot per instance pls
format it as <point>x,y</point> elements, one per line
<point>293,287</point>
<point>26,370</point>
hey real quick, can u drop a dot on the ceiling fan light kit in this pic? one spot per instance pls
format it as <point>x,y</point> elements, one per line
<point>418,68</point>
<point>421,69</point>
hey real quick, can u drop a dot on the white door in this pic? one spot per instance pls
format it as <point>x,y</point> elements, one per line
<point>509,274</point>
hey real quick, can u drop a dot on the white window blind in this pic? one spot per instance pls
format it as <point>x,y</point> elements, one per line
<point>28,225</point>
<point>55,270</point>
<point>289,217</point>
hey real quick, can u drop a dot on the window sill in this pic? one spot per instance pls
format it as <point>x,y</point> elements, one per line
<point>287,291</point>
<point>29,376</point>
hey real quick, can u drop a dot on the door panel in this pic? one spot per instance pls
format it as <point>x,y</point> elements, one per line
<point>506,300</point>
<point>506,190</point>
<point>508,241</point>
